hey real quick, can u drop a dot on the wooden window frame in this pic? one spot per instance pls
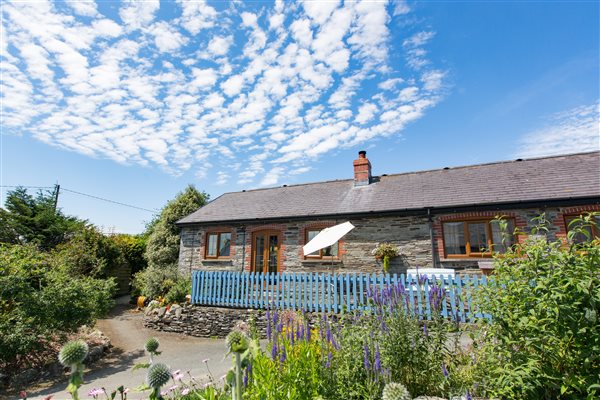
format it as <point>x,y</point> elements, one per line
<point>567,217</point>
<point>218,256</point>
<point>466,221</point>
<point>319,256</point>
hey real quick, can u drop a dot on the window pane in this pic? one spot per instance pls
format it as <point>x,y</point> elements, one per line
<point>211,245</point>
<point>260,253</point>
<point>273,253</point>
<point>309,236</point>
<point>502,240</point>
<point>331,251</point>
<point>478,237</point>
<point>225,244</point>
<point>454,238</point>
<point>579,237</point>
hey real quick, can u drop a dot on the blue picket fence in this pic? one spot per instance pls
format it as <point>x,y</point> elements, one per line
<point>323,292</point>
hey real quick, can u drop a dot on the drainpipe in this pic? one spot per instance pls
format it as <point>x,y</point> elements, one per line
<point>243,248</point>
<point>433,252</point>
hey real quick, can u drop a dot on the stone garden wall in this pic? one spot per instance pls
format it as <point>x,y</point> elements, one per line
<point>209,322</point>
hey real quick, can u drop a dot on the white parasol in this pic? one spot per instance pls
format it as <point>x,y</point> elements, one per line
<point>327,237</point>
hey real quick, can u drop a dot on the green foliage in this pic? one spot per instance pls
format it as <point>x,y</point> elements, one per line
<point>28,219</point>
<point>154,282</point>
<point>181,288</point>
<point>163,241</point>
<point>39,300</point>
<point>132,248</point>
<point>544,338</point>
<point>89,253</point>
<point>293,368</point>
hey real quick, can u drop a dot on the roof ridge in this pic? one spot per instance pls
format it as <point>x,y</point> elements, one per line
<point>417,172</point>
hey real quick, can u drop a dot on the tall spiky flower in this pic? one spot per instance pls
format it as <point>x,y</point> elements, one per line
<point>151,347</point>
<point>158,375</point>
<point>395,391</point>
<point>72,355</point>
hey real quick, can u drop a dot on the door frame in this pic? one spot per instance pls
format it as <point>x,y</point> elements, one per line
<point>265,232</point>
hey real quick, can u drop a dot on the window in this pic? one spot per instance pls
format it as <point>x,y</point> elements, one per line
<point>592,227</point>
<point>218,244</point>
<point>476,238</point>
<point>327,252</point>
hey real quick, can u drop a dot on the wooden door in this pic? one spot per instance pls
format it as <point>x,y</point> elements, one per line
<point>265,251</point>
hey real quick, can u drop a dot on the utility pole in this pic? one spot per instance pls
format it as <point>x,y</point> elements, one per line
<point>56,191</point>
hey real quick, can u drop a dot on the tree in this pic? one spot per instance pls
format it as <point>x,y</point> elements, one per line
<point>163,241</point>
<point>29,219</point>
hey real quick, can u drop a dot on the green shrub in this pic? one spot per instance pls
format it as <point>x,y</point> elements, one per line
<point>544,338</point>
<point>154,282</point>
<point>39,302</point>
<point>177,292</point>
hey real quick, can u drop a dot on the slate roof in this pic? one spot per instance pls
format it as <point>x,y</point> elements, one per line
<point>565,177</point>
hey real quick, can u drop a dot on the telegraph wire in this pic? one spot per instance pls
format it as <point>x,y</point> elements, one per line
<point>83,194</point>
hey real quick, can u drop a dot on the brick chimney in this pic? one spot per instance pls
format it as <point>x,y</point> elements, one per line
<point>362,169</point>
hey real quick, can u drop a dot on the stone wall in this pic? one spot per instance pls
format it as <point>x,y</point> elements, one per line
<point>211,322</point>
<point>410,233</point>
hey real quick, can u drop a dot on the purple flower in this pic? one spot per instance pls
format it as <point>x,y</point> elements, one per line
<point>329,357</point>
<point>274,351</point>
<point>377,360</point>
<point>245,380</point>
<point>308,333</point>
<point>283,355</point>
<point>425,331</point>
<point>367,360</point>
<point>468,396</point>
<point>444,370</point>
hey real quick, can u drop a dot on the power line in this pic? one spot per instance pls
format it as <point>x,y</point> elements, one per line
<point>82,194</point>
<point>108,200</point>
<point>27,187</point>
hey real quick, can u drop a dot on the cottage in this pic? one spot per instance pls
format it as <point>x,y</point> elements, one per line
<point>437,218</point>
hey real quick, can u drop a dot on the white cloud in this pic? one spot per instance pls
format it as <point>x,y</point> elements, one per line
<point>82,7</point>
<point>260,93</point>
<point>197,15</point>
<point>219,45</point>
<point>573,131</point>
<point>166,37</point>
<point>366,113</point>
<point>137,14</point>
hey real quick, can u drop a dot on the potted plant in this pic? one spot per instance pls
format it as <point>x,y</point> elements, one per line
<point>385,251</point>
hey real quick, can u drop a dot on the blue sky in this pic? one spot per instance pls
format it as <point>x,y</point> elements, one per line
<point>133,101</point>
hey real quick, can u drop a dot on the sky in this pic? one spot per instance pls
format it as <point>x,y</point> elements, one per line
<point>133,101</point>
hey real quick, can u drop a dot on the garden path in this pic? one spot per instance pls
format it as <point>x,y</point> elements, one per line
<point>127,334</point>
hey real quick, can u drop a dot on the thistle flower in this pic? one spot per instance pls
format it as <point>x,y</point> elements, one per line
<point>158,375</point>
<point>73,353</point>
<point>151,345</point>
<point>237,341</point>
<point>395,391</point>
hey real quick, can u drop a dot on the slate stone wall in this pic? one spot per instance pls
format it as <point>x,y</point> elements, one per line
<point>214,322</point>
<point>410,233</point>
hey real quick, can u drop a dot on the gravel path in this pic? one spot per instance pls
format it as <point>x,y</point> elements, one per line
<point>127,335</point>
